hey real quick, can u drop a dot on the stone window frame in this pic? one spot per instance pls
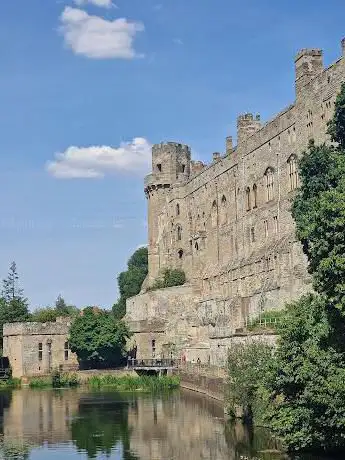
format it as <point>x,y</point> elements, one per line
<point>223,214</point>
<point>269,176</point>
<point>252,234</point>
<point>293,172</point>
<point>178,232</point>
<point>40,351</point>
<point>66,350</point>
<point>248,201</point>
<point>276,224</point>
<point>255,196</point>
<point>214,214</point>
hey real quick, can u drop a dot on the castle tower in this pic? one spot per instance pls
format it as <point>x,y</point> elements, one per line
<point>308,64</point>
<point>170,165</point>
<point>246,126</point>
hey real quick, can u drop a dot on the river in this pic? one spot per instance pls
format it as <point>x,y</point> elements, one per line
<point>79,424</point>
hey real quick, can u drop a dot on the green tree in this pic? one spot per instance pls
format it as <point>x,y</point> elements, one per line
<point>13,304</point>
<point>98,339</point>
<point>307,377</point>
<point>61,307</point>
<point>131,280</point>
<point>247,367</point>
<point>336,126</point>
<point>44,315</point>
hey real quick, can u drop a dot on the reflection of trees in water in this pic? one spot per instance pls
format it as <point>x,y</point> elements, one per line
<point>247,441</point>
<point>102,424</point>
<point>5,402</point>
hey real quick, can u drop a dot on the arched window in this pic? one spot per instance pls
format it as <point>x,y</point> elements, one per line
<point>177,209</point>
<point>223,213</point>
<point>214,214</point>
<point>196,246</point>
<point>255,196</point>
<point>269,175</point>
<point>248,199</point>
<point>180,254</point>
<point>293,172</point>
<point>179,233</point>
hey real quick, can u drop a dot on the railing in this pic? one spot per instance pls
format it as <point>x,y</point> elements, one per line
<point>264,323</point>
<point>158,362</point>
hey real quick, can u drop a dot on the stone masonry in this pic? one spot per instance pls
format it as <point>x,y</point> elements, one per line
<point>228,224</point>
<point>38,348</point>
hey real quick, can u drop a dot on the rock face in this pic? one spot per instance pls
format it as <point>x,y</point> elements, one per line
<point>228,225</point>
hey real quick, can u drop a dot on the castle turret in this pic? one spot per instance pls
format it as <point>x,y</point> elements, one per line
<point>170,165</point>
<point>246,126</point>
<point>308,64</point>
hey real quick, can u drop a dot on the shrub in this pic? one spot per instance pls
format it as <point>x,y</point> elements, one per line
<point>40,382</point>
<point>247,368</point>
<point>170,277</point>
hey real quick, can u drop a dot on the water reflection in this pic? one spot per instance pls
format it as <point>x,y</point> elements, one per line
<point>81,425</point>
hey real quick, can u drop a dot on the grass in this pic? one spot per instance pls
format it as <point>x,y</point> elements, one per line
<point>40,382</point>
<point>10,383</point>
<point>128,383</point>
<point>124,383</point>
<point>55,380</point>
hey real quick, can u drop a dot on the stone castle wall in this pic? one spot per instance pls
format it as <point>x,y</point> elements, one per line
<point>228,225</point>
<point>37,348</point>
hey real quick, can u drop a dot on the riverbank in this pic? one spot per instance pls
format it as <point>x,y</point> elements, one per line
<point>209,385</point>
<point>116,382</point>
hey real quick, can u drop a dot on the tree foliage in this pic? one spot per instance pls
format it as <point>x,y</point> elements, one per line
<point>307,378</point>
<point>98,339</point>
<point>336,127</point>
<point>61,307</point>
<point>170,277</point>
<point>247,366</point>
<point>13,304</point>
<point>131,280</point>
<point>44,315</point>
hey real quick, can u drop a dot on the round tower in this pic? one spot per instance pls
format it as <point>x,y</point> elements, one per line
<point>170,165</point>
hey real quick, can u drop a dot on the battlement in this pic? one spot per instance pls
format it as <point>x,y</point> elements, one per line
<point>315,52</point>
<point>35,328</point>
<point>247,124</point>
<point>171,147</point>
<point>308,64</point>
<point>248,117</point>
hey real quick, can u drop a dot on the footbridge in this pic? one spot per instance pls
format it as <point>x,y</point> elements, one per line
<point>159,365</point>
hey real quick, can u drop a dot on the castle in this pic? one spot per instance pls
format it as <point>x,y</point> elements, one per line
<point>228,225</point>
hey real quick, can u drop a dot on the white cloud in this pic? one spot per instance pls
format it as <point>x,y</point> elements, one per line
<point>98,38</point>
<point>97,161</point>
<point>178,41</point>
<point>100,3</point>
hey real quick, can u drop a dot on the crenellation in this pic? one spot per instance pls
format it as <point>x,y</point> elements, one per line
<point>233,233</point>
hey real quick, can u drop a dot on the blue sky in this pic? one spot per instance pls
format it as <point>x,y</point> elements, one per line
<point>86,87</point>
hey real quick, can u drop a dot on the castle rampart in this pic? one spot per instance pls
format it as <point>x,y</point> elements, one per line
<point>228,224</point>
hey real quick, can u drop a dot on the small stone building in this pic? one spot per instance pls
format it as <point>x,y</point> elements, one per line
<point>38,348</point>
